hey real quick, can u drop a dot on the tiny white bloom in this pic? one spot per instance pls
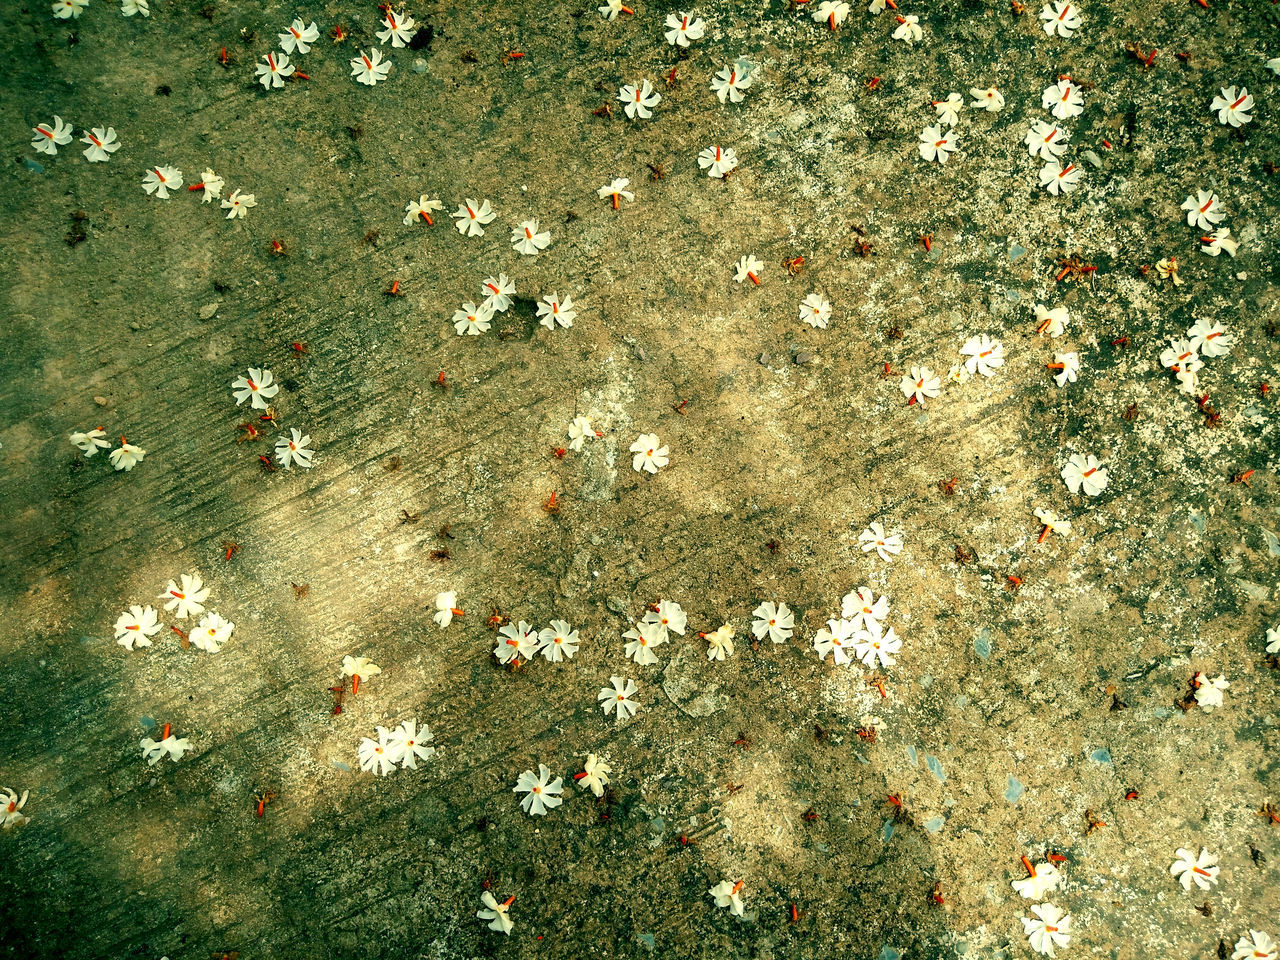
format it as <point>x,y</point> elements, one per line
<point>1063,99</point>
<point>920,383</point>
<point>1058,179</point>
<point>446,608</point>
<point>876,649</point>
<point>409,744</point>
<point>526,238</point>
<point>1232,107</point>
<point>399,30</point>
<point>1052,523</point>
<point>1218,241</point>
<point>516,642</point>
<point>1203,210</point>
<point>238,204</point>
<point>1191,867</point>
<point>639,99</point>
<point>132,7</point>
<point>258,387</point>
<point>294,449</point>
<point>11,808</point>
<point>1068,367</point>
<point>541,793</point>
<point>498,292</point>
<point>377,756</point>
<point>718,161</point>
<point>65,9</point>
<point>685,27</point>
<point>170,746</point>
<point>359,667</point>
<point>211,633</point>
<point>136,626</point>
<point>91,442</point>
<point>836,639</point>
<point>1209,691</point>
<point>936,145</point>
<point>421,209</point>
<point>1209,339</point>
<point>641,639</point>
<point>748,268</point>
<point>775,621</point>
<point>815,310</point>
<point>299,37</point>
<point>1053,322</point>
<point>886,545</point>
<point>988,98</point>
<point>1181,357</point>
<point>1084,472</point>
<point>863,610</point>
<point>126,456</point>
<point>186,600</point>
<point>949,109</point>
<point>908,29</point>
<point>1046,140</point>
<point>730,82</point>
<point>370,69</point>
<point>612,8</point>
<point>594,775</point>
<point>580,430</point>
<point>669,616</point>
<point>727,894</point>
<point>650,454</point>
<point>1050,928</point>
<point>472,320</point>
<point>1042,881</point>
<point>1062,18</point>
<point>720,643</point>
<point>617,698</point>
<point>552,310</point>
<point>1256,946</point>
<point>1273,639</point>
<point>211,184</point>
<point>558,642</point>
<point>102,143</point>
<point>273,69</point>
<point>617,190</point>
<point>495,912</point>
<point>160,180</point>
<point>983,355</point>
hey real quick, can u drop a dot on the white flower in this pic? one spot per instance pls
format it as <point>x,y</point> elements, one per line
<point>936,145</point>
<point>617,189</point>
<point>669,615</point>
<point>399,31</point>
<point>580,429</point>
<point>1043,879</point>
<point>494,911</point>
<point>1203,210</point>
<point>91,442</point>
<point>958,373</point>
<point>238,204</point>
<point>541,793</point>
<point>1062,18</point>
<point>472,217</point>
<point>1052,523</point>
<point>640,100</point>
<point>409,745</point>
<point>650,454</point>
<point>726,894</point>
<point>11,809</point>
<point>684,28</point>
<point>102,143</point>
<point>299,37</point>
<point>1167,269</point>
<point>272,71</point>
<point>876,650</point>
<point>776,621</point>
<point>126,456</point>
<point>641,639</point>
<point>874,538</point>
<point>369,69</point>
<point>558,641</point>
<point>63,9</point>
<point>1057,179</point>
<point>1051,928</point>
<point>863,610</point>
<point>1218,241</point>
<point>836,638</point>
<point>1233,108</point>
<point>983,355</point>
<point>834,12</point>
<point>720,642</point>
<point>258,387</point>
<point>989,99</point>
<point>170,746</point>
<point>359,669</point>
<point>1046,141</point>
<point>421,209</point>
<point>526,238</point>
<point>212,185</point>
<point>612,8</point>
<point>617,699</point>
<point>131,7</point>
<point>377,756</point>
<point>446,608</point>
<point>1086,472</point>
<point>1053,322</point>
<point>1209,691</point>
<point>211,633</point>
<point>718,161</point>
<point>1256,946</point>
<point>552,310</point>
<point>187,600</point>
<point>594,775</point>
<point>878,6</point>
<point>920,383</point>
<point>908,29</point>
<point>294,449</point>
<point>1181,357</point>
<point>516,642</point>
<point>1063,99</point>
<point>949,109</point>
<point>1273,639</point>
<point>815,310</point>
<point>748,268</point>
<point>472,320</point>
<point>1068,367</point>
<point>1210,339</point>
<point>136,626</point>
<point>498,292</point>
<point>730,82</point>
<point>160,180</point>
<point>1198,868</point>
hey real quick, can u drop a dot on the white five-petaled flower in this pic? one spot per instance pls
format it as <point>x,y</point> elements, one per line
<point>299,37</point>
<point>1208,692</point>
<point>541,793</point>
<point>1046,141</point>
<point>133,7</point>
<point>876,649</point>
<point>731,82</point>
<point>1062,18</point>
<point>498,292</point>
<point>11,809</point>
<point>1209,339</point>
<point>371,68</point>
<point>126,456</point>
<point>359,669</point>
<point>446,608</point>
<point>1233,107</point>
<point>377,756</point>
<point>1050,928</point>
<point>1203,210</point>
<point>886,545</point>
<point>400,30</point>
<point>718,161</point>
<point>863,609</point>
<point>1191,868</point>
<point>725,893</point>
<point>211,184</point>
<point>640,99</point>
<point>920,383</point>
<point>580,429</point>
<point>558,641</point>
<point>936,145</point>
<point>65,9</point>
<point>1053,322</point>
<point>908,29</point>
<point>650,454</point>
<point>668,615</point>
<point>238,204</point>
<point>617,190</point>
<point>1085,472</point>
<point>685,27</point>
<point>748,268</point>
<point>641,639</point>
<point>409,744</point>
<point>170,746</point>
<point>101,144</point>
<point>273,69</point>
<point>472,217</point>
<point>1218,241</point>
<point>294,449</point>
<point>1058,179</point>
<point>91,442</point>
<point>1063,99</point>
<point>949,109</point>
<point>1256,946</point>
<point>983,355</point>
<point>815,310</point>
<point>988,98</point>
<point>837,639</point>
<point>496,913</point>
<point>516,642</point>
<point>259,385</point>
<point>775,621</point>
<point>1067,366</point>
<point>136,626</point>
<point>160,180</point>
<point>211,633</point>
<point>1041,880</point>
<point>833,12</point>
<point>1181,357</point>
<point>526,238</point>
<point>616,699</point>
<point>552,310</point>
<point>421,209</point>
<point>612,8</point>
<point>719,642</point>
<point>186,600</point>
<point>472,320</point>
<point>594,775</point>
<point>1052,523</point>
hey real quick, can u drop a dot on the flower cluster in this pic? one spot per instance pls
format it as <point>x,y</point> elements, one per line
<point>101,141</point>
<point>402,747</point>
<point>1048,142</point>
<point>1204,211</point>
<point>860,632</point>
<point>136,626</point>
<point>520,642</point>
<point>153,751</point>
<point>660,620</point>
<point>123,457</point>
<point>258,386</point>
<point>1184,355</point>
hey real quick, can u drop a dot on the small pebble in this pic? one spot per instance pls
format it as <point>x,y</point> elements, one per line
<point>803,356</point>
